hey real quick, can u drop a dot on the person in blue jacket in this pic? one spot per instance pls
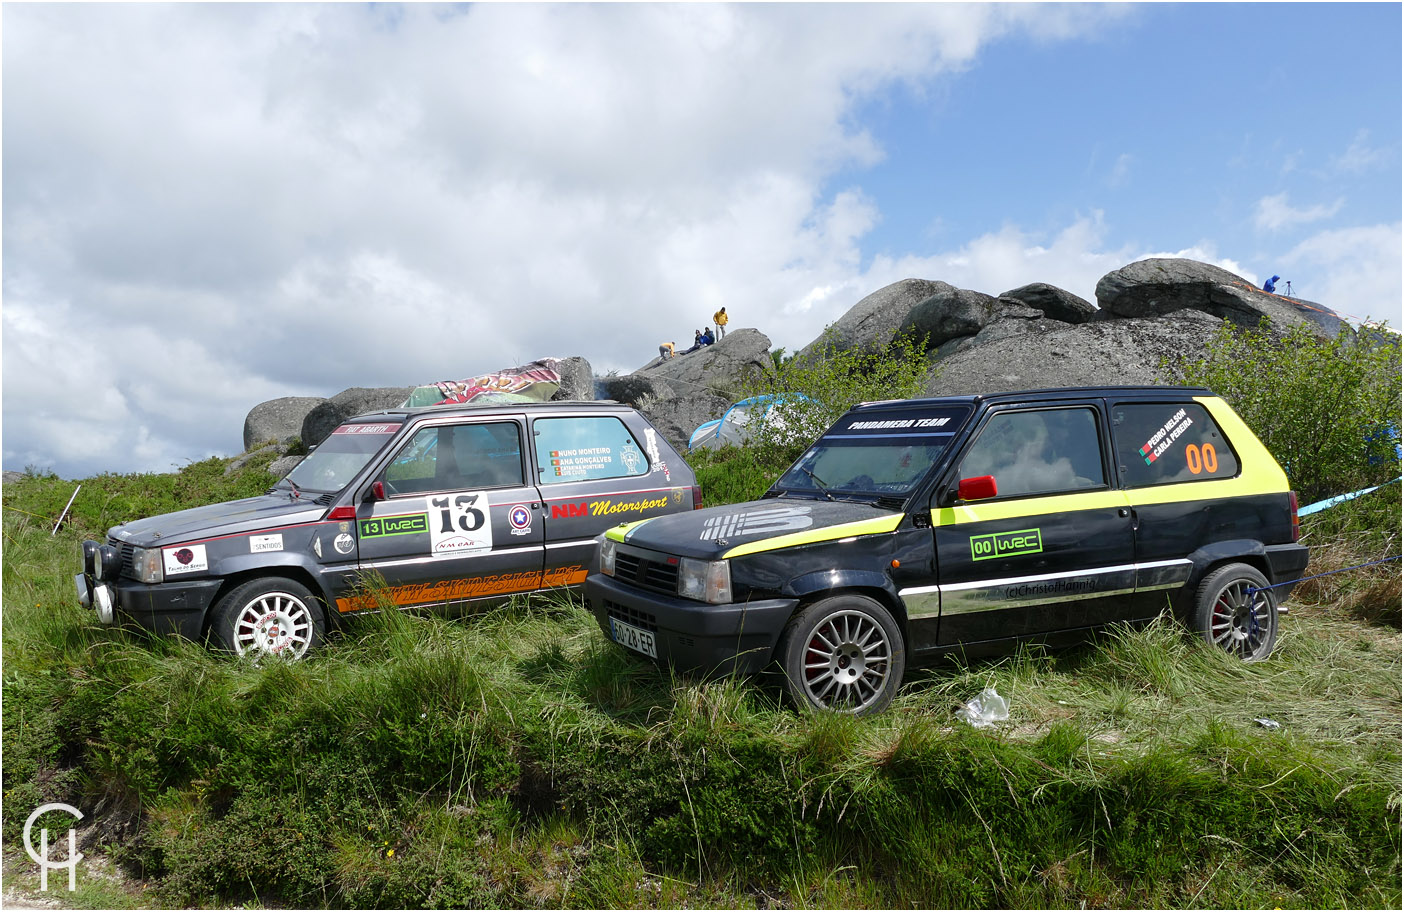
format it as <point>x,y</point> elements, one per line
<point>1271,284</point>
<point>706,337</point>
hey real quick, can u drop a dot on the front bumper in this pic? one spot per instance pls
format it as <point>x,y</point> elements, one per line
<point>162,608</point>
<point>694,635</point>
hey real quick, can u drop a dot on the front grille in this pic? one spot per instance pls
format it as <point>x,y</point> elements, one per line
<point>631,616</point>
<point>126,550</point>
<point>639,570</point>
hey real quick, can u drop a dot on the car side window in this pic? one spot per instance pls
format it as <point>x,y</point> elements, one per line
<point>1164,443</point>
<point>1038,452</point>
<point>459,456</point>
<point>578,449</point>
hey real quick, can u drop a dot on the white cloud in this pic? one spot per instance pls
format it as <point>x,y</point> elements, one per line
<point>207,206</point>
<point>1355,271</point>
<point>1273,213</point>
<point>1360,156</point>
<point>1121,170</point>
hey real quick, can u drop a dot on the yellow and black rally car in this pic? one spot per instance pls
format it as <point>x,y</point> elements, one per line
<point>441,506</point>
<point>970,524</point>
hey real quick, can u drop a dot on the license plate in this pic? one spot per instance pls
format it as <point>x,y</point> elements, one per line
<point>633,638</point>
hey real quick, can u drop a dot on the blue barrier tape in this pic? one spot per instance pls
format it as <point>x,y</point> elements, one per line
<point>1386,560</point>
<point>1339,499</point>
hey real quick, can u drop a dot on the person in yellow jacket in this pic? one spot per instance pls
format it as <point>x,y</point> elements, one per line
<point>720,318</point>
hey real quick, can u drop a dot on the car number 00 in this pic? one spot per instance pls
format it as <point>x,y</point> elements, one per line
<point>634,638</point>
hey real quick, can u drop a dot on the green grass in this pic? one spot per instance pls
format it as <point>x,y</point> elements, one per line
<point>516,758</point>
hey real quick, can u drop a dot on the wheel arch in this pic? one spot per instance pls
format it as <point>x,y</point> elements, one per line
<point>1210,557</point>
<point>822,584</point>
<point>293,571</point>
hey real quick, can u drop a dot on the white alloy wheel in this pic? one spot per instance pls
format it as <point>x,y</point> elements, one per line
<point>268,617</point>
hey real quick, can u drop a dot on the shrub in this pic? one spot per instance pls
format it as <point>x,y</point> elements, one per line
<point>1328,410</point>
<point>812,393</point>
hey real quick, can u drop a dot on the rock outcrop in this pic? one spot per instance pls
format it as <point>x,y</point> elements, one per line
<point>278,419</point>
<point>949,313</point>
<point>1154,287</point>
<point>744,354</point>
<point>358,400</point>
<point>1034,336</point>
<point>679,394</point>
<point>1118,352</point>
<point>1052,301</point>
<point>872,323</point>
<point>577,380</point>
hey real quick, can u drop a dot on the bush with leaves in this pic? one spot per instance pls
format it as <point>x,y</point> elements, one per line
<point>1328,410</point>
<point>813,391</point>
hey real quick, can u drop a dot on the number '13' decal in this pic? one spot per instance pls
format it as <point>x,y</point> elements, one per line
<point>460,514</point>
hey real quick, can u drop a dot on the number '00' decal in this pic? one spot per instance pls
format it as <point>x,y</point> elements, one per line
<point>1201,459</point>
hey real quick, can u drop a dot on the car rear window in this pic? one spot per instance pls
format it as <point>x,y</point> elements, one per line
<point>579,449</point>
<point>1165,443</point>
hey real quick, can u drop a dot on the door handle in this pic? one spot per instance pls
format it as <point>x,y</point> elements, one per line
<point>1123,512</point>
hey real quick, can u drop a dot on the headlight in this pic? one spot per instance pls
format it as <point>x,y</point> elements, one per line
<point>146,565</point>
<point>607,547</point>
<point>705,581</point>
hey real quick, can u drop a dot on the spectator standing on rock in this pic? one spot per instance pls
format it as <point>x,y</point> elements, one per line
<point>720,318</point>
<point>665,351</point>
<point>1271,284</point>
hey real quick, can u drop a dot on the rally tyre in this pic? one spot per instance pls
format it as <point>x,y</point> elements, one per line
<point>1230,615</point>
<point>269,616</point>
<point>843,654</point>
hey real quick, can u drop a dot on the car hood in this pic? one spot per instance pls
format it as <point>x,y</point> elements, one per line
<point>734,530</point>
<point>228,518</point>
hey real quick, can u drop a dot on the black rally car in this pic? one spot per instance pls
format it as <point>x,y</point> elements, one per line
<point>968,524</point>
<point>445,505</point>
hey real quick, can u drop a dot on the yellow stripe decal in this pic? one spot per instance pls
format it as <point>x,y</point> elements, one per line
<point>617,533</point>
<point>1024,506</point>
<point>875,526</point>
<point>1259,473</point>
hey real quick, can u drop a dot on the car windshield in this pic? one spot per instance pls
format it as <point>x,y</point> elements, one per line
<point>339,458</point>
<point>884,453</point>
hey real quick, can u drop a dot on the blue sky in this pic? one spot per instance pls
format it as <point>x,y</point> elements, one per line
<point>207,206</point>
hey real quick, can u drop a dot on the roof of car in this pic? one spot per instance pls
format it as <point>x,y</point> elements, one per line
<point>1040,395</point>
<point>476,408</point>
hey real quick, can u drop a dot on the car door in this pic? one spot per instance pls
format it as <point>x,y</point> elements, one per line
<point>1053,548</point>
<point>452,517</point>
<point>1175,463</point>
<point>594,473</point>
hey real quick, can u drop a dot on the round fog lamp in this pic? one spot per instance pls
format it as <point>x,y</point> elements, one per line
<point>102,601</point>
<point>109,562</point>
<point>89,551</point>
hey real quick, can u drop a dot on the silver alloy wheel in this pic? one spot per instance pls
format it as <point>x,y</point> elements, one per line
<point>273,623</point>
<point>847,661</point>
<point>1240,620</point>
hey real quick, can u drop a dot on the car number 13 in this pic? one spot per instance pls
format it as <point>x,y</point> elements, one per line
<point>461,526</point>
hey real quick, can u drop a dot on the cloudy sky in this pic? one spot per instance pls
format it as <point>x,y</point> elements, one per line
<point>209,206</point>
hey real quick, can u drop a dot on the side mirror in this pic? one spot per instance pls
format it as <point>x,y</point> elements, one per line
<point>375,492</point>
<point>981,487</point>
